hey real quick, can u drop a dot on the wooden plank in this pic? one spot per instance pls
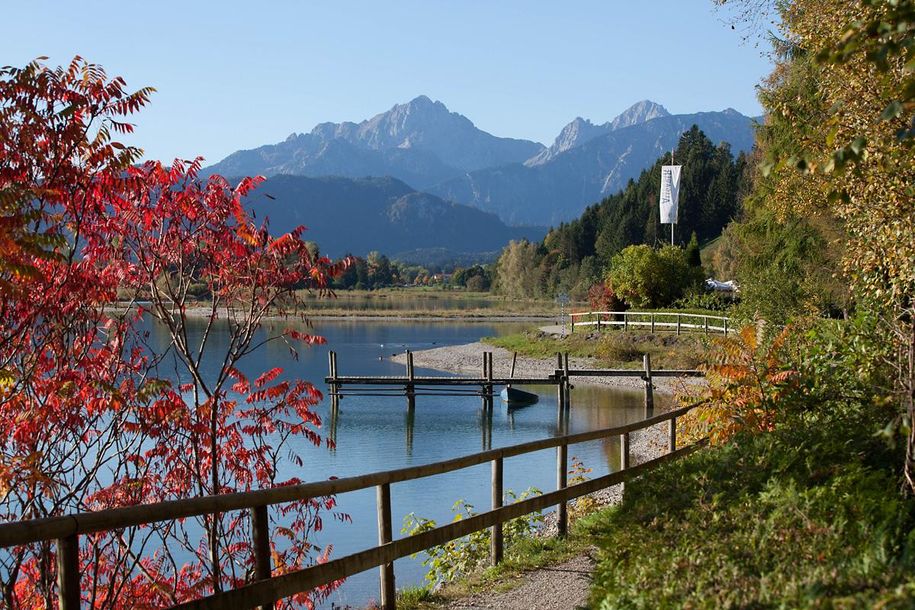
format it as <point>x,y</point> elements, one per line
<point>307,579</point>
<point>34,530</point>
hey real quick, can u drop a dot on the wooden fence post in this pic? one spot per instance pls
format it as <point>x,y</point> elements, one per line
<point>260,535</point>
<point>624,451</point>
<point>672,441</point>
<point>68,595</point>
<point>678,324</point>
<point>495,541</point>
<point>388,593</point>
<point>651,317</point>
<point>625,321</point>
<point>725,327</point>
<point>562,474</point>
<point>706,323</point>
<point>649,390</point>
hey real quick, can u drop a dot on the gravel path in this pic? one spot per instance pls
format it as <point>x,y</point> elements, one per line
<point>560,587</point>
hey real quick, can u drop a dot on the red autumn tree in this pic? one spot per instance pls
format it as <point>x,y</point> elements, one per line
<point>91,415</point>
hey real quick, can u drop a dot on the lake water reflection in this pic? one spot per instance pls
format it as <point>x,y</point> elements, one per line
<point>378,433</point>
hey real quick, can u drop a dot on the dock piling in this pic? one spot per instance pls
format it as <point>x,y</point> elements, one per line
<point>649,389</point>
<point>411,388</point>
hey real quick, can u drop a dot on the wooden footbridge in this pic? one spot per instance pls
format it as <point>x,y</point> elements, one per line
<point>653,321</point>
<point>266,587</point>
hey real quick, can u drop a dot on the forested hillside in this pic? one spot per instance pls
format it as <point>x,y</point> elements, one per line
<point>575,255</point>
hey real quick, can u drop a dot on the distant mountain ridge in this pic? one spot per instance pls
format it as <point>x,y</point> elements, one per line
<point>421,142</point>
<point>559,188</point>
<point>356,216</point>
<point>441,152</point>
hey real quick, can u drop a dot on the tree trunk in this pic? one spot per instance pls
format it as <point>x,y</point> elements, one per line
<point>908,390</point>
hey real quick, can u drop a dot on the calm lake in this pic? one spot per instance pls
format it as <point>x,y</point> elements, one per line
<point>375,433</point>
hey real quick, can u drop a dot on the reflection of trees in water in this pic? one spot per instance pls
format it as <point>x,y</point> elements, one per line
<point>594,408</point>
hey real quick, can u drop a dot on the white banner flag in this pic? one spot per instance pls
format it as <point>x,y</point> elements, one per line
<point>670,193</point>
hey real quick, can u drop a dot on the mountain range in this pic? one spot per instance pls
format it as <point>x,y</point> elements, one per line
<point>432,149</point>
<point>420,142</point>
<point>356,216</point>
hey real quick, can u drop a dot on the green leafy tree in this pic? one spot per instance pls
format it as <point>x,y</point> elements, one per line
<point>645,277</point>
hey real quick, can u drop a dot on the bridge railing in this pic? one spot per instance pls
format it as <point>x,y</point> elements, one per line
<point>267,589</point>
<point>652,320</point>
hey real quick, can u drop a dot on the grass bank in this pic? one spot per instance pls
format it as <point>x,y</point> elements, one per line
<point>807,516</point>
<point>613,348</point>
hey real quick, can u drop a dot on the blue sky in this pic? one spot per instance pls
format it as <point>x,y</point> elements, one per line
<point>233,75</point>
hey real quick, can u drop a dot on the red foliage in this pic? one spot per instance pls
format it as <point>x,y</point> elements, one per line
<point>86,420</point>
<point>601,297</point>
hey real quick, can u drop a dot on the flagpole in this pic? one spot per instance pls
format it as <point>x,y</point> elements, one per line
<point>673,223</point>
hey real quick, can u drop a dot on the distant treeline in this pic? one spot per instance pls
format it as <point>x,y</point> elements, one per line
<point>576,255</point>
<point>376,270</point>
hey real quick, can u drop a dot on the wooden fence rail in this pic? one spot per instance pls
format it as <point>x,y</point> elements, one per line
<point>653,320</point>
<point>269,589</point>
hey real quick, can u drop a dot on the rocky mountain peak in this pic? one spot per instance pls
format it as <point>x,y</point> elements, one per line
<point>640,112</point>
<point>582,130</point>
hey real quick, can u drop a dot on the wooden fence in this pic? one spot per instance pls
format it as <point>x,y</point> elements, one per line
<point>268,589</point>
<point>672,321</point>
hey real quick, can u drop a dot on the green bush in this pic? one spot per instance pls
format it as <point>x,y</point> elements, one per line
<point>645,277</point>
<point>706,300</point>
<point>461,557</point>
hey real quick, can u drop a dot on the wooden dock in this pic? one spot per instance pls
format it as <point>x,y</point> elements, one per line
<point>407,385</point>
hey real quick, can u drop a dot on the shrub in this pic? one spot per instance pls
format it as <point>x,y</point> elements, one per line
<point>601,297</point>
<point>620,347</point>
<point>705,299</point>
<point>463,556</point>
<point>745,386</point>
<point>645,277</point>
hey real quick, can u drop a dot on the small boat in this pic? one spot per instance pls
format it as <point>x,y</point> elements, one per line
<point>516,397</point>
